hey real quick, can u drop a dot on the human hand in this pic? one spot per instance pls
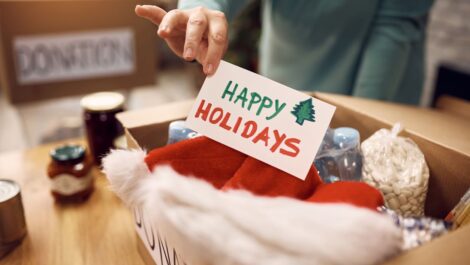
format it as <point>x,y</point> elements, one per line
<point>194,34</point>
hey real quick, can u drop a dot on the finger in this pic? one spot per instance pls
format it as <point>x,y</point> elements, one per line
<point>217,39</point>
<point>173,21</point>
<point>201,53</point>
<point>197,25</point>
<point>153,13</point>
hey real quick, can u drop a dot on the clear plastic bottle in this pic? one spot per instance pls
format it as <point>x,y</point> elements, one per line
<point>177,131</point>
<point>340,156</point>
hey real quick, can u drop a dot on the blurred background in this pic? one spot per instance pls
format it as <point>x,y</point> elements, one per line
<point>36,110</point>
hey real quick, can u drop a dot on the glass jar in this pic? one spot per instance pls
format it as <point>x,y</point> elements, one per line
<point>70,173</point>
<point>102,127</point>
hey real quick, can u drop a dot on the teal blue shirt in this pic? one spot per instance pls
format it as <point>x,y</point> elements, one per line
<point>367,48</point>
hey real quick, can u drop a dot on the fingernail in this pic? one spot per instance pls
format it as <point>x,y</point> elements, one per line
<point>209,69</point>
<point>188,54</point>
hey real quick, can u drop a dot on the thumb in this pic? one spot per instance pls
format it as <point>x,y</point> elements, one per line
<point>153,13</point>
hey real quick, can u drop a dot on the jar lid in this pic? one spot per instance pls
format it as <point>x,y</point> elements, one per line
<point>102,101</point>
<point>68,153</point>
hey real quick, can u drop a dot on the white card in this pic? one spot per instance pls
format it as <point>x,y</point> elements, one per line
<point>261,118</point>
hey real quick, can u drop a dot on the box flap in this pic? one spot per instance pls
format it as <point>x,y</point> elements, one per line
<point>149,127</point>
<point>171,111</point>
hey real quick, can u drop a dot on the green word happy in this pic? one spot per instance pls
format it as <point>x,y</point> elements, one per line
<point>253,100</point>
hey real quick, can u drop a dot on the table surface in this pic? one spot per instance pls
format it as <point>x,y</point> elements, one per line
<point>99,231</point>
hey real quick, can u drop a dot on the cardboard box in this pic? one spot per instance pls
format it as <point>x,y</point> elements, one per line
<point>456,106</point>
<point>65,47</point>
<point>443,137</point>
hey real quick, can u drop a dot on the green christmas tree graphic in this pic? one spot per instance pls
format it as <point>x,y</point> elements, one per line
<point>304,111</point>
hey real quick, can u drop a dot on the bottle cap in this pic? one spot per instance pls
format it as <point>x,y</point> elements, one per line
<point>346,137</point>
<point>12,222</point>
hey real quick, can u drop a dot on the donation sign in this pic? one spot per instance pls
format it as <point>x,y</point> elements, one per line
<point>73,56</point>
<point>261,118</point>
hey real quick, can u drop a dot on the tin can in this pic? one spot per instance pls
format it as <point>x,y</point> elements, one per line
<point>12,221</point>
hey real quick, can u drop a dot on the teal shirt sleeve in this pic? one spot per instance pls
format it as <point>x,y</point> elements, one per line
<point>398,27</point>
<point>230,7</point>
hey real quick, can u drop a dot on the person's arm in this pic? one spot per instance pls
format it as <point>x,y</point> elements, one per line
<point>230,7</point>
<point>397,25</point>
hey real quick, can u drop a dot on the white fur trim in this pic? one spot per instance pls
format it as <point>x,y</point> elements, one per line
<point>124,169</point>
<point>208,226</point>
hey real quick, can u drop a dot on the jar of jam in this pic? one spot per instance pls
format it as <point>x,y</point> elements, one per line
<point>102,127</point>
<point>70,173</point>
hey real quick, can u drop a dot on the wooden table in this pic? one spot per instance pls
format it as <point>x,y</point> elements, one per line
<point>99,231</point>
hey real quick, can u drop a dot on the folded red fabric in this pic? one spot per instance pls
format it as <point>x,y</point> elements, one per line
<point>357,193</point>
<point>226,168</point>
<point>200,157</point>
<point>263,179</point>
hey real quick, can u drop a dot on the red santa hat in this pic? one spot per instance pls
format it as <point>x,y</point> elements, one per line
<point>214,203</point>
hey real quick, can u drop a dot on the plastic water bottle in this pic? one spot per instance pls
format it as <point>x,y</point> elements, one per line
<point>178,131</point>
<point>340,156</point>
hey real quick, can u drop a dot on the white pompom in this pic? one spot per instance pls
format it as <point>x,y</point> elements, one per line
<point>211,227</point>
<point>124,169</point>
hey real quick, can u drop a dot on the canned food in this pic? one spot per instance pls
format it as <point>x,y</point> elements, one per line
<point>12,221</point>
